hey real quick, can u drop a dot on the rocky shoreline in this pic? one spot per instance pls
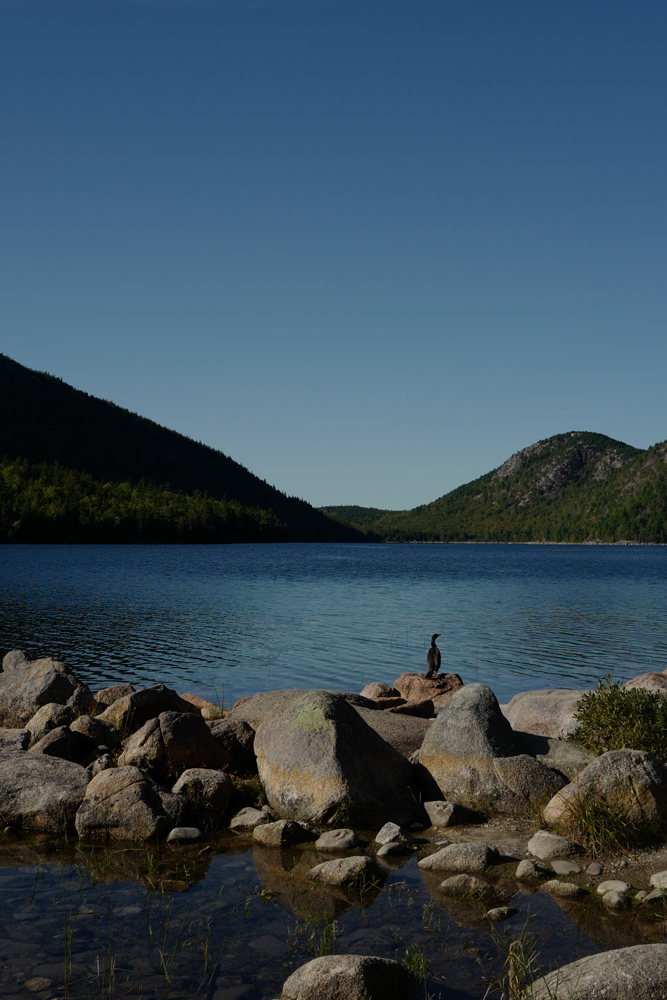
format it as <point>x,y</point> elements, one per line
<point>430,767</point>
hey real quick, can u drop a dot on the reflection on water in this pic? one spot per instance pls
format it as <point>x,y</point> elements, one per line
<point>241,618</point>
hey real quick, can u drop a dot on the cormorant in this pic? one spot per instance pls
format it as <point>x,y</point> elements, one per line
<point>433,658</point>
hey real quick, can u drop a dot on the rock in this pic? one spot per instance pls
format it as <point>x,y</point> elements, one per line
<point>348,977</point>
<point>658,895</point>
<point>37,984</point>
<point>562,755</point>
<point>595,868</point>
<point>637,973</point>
<point>565,889</point>
<point>123,803</point>
<point>565,868</point>
<point>237,739</point>
<point>185,835</point>
<point>612,885</point>
<point>615,900</point>
<point>62,742</point>
<point>438,689</point>
<point>171,744</point>
<point>531,869</point>
<point>659,880</point>
<point>634,780</point>
<point>386,703</point>
<point>132,711</point>
<point>208,709</point>
<point>96,730</point>
<point>545,713</point>
<point>471,750</point>
<point>642,894</point>
<point>254,710</point>
<point>392,833</point>
<point>27,685</point>
<point>471,857</point>
<point>451,814</point>
<point>405,733</point>
<point>103,763</point>
<point>108,695</point>
<point>12,740</point>
<point>318,759</point>
<point>499,913</point>
<point>394,849</point>
<point>247,819</point>
<point>423,709</point>
<point>378,690</point>
<point>337,840</point>
<point>282,833</point>
<point>466,886</point>
<point>648,682</point>
<point>48,717</point>
<point>38,792</point>
<point>14,658</point>
<point>546,846</point>
<point>355,871</point>
<point>206,796</point>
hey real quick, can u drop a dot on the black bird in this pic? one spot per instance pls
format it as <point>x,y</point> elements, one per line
<point>433,658</point>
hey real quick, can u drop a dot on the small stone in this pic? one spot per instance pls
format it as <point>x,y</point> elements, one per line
<point>615,900</point>
<point>565,868</point>
<point>557,888</point>
<point>37,984</point>
<point>393,850</point>
<point>247,819</point>
<point>642,894</point>
<point>531,869</point>
<point>659,880</point>
<point>655,896</point>
<point>595,868</point>
<point>466,885</point>
<point>283,833</point>
<point>450,814</point>
<point>623,864</point>
<point>545,845</point>
<point>499,913</point>
<point>392,833</point>
<point>337,840</point>
<point>443,842</point>
<point>475,857</point>
<point>184,835</point>
<point>612,885</point>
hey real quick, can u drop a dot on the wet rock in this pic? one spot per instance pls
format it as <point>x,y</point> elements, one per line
<point>659,880</point>
<point>237,739</point>
<point>545,713</point>
<point>419,687</point>
<point>48,717</point>
<point>423,709</point>
<point>348,977</point>
<point>37,984</point>
<point>451,814</point>
<point>171,744</point>
<point>337,840</point>
<point>378,690</point>
<point>531,869</point>
<point>185,835</point>
<point>637,973</point>
<point>282,833</point>
<point>27,685</point>
<point>206,796</point>
<point>615,900</point>
<point>247,819</point>
<point>62,742</point>
<point>132,711</point>
<point>123,803</point>
<point>108,695</point>
<point>635,781</point>
<point>565,867</point>
<point>500,913</point>
<point>565,889</point>
<point>38,792</point>
<point>612,885</point>
<point>12,740</point>
<point>595,868</point>
<point>394,849</point>
<point>545,845</point>
<point>471,857</point>
<point>318,759</point>
<point>96,730</point>
<point>392,833</point>
<point>355,871</point>
<point>648,682</point>
<point>466,886</point>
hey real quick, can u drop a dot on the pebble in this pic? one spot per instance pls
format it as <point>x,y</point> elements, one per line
<point>565,868</point>
<point>642,894</point>
<point>612,885</point>
<point>595,868</point>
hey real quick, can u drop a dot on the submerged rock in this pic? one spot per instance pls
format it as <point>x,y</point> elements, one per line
<point>38,792</point>
<point>123,803</point>
<point>349,977</point>
<point>637,973</point>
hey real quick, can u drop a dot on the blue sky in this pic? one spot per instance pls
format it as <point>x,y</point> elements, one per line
<point>369,249</point>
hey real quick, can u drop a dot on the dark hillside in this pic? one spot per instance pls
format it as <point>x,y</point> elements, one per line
<point>42,419</point>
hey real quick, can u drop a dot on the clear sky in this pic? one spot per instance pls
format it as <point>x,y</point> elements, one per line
<point>369,249</point>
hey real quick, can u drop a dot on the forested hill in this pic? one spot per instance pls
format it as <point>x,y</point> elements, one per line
<point>44,420</point>
<point>571,487</point>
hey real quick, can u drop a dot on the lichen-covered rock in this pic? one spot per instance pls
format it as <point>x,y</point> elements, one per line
<point>38,792</point>
<point>237,739</point>
<point>470,857</point>
<point>27,685</point>
<point>548,712</point>
<point>282,833</point>
<point>49,717</point>
<point>637,973</point>
<point>132,711</point>
<point>633,781</point>
<point>346,872</point>
<point>171,744</point>
<point>123,803</point>
<point>419,687</point>
<point>349,977</point>
<point>108,695</point>
<point>206,796</point>
<point>319,761</point>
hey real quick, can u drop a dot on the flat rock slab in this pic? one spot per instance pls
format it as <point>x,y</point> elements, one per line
<point>565,867</point>
<point>471,857</point>
<point>356,871</point>
<point>638,973</point>
<point>545,845</point>
<point>282,833</point>
<point>38,792</point>
<point>349,977</point>
<point>564,889</point>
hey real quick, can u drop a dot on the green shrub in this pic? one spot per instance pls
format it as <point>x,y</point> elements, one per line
<point>614,718</point>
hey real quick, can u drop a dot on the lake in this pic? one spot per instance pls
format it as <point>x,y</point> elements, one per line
<point>227,621</point>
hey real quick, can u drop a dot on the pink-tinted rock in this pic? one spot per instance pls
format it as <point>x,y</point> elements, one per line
<point>438,689</point>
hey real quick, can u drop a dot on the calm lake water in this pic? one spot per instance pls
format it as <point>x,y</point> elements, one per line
<point>227,621</point>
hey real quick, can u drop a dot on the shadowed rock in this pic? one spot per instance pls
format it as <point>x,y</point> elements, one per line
<point>108,695</point>
<point>96,730</point>
<point>27,685</point>
<point>451,814</point>
<point>237,739</point>
<point>38,792</point>
<point>63,743</point>
<point>638,973</point>
<point>124,804</point>
<point>405,733</point>
<point>172,743</point>
<point>208,709</point>
<point>561,755</point>
<point>248,818</point>
<point>349,977</point>
<point>49,717</point>
<point>131,712</point>
<point>282,833</point>
<point>206,796</point>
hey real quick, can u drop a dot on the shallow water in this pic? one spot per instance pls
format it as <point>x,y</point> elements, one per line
<point>227,621</point>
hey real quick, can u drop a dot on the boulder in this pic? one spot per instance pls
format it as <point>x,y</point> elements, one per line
<point>172,743</point>
<point>418,687</point>
<point>378,690</point>
<point>254,710</point>
<point>545,845</point>
<point>637,973</point>
<point>282,833</point>
<point>337,840</point>
<point>208,709</point>
<point>349,977</point>
<point>404,733</point>
<point>634,781</point>
<point>49,717</point>
<point>108,695</point>
<point>206,796</point>
<point>451,814</point>
<point>346,872</point>
<point>14,658</point>
<point>123,803</point>
<point>423,709</point>
<point>27,685</point>
<point>14,739</point>
<point>96,730</point>
<point>132,711</point>
<point>237,739</point>
<point>247,819</point>
<point>38,792</point>
<point>648,682</point>
<point>471,751</point>
<point>471,857</point>
<point>63,743</point>
<point>562,755</point>
<point>549,712</point>
<point>319,761</point>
